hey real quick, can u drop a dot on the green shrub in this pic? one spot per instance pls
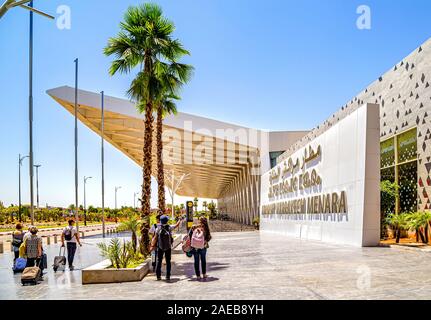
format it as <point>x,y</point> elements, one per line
<point>120,254</point>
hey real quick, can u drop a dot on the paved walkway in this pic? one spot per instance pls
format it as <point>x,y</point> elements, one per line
<point>250,265</point>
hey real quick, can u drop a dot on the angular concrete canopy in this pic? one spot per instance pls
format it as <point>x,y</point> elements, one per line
<point>213,152</point>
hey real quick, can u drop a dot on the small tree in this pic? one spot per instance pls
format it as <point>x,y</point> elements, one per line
<point>388,195</point>
<point>131,225</point>
<point>213,210</point>
<point>399,222</point>
<point>195,203</point>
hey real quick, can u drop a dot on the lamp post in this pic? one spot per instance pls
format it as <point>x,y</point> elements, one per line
<point>76,145</point>
<point>7,5</point>
<point>19,185</point>
<point>85,203</point>
<point>116,189</point>
<point>37,166</point>
<point>102,153</point>
<point>174,184</point>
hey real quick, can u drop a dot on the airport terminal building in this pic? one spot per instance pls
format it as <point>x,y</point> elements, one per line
<point>226,161</point>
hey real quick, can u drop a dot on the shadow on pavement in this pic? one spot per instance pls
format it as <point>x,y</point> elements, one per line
<point>187,269</point>
<point>209,279</point>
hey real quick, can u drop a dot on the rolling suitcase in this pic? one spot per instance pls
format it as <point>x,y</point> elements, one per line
<point>31,275</point>
<point>60,261</point>
<point>44,262</point>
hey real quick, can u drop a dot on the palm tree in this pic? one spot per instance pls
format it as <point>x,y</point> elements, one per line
<point>133,226</point>
<point>145,40</point>
<point>171,77</point>
<point>167,106</point>
<point>399,222</point>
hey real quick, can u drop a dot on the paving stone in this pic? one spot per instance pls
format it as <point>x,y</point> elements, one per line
<point>248,265</point>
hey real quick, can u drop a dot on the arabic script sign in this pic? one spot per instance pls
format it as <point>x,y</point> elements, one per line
<point>295,176</point>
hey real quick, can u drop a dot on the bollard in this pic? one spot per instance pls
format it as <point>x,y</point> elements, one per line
<point>48,240</point>
<point>1,247</point>
<point>55,238</point>
<point>82,234</point>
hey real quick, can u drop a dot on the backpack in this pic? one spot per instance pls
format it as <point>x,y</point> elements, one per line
<point>17,240</point>
<point>198,239</point>
<point>164,238</point>
<point>67,234</point>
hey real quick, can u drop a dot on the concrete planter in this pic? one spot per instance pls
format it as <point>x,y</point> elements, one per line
<point>99,273</point>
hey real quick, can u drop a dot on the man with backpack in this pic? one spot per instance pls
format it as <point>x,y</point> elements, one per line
<point>71,236</point>
<point>162,242</point>
<point>152,232</point>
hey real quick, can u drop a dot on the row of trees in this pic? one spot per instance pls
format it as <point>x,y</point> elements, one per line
<point>145,42</point>
<point>417,222</point>
<point>9,215</point>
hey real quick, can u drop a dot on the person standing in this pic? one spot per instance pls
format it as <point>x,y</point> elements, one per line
<point>17,240</point>
<point>200,236</point>
<point>163,241</point>
<point>152,232</point>
<point>70,235</point>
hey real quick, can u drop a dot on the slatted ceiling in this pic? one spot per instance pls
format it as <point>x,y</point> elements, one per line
<point>205,181</point>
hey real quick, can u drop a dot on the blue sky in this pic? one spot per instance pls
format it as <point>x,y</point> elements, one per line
<point>274,64</point>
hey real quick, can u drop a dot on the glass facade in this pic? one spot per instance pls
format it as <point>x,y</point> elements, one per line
<point>273,157</point>
<point>398,164</point>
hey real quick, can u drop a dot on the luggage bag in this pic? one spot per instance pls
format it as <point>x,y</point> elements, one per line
<point>60,261</point>
<point>19,265</point>
<point>31,275</point>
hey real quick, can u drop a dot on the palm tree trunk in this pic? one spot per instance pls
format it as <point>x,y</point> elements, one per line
<point>421,234</point>
<point>160,169</point>
<point>148,161</point>
<point>134,241</point>
<point>144,242</point>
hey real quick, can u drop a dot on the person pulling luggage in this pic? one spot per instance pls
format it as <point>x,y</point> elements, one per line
<point>71,236</point>
<point>33,248</point>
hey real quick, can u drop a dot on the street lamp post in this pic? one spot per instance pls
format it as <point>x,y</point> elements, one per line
<point>116,189</point>
<point>76,144</point>
<point>37,166</point>
<point>9,4</point>
<point>102,153</point>
<point>174,183</point>
<point>19,185</point>
<point>85,201</point>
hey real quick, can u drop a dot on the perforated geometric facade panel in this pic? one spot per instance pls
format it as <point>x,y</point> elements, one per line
<point>404,95</point>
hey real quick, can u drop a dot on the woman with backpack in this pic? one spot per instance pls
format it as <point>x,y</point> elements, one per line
<point>200,236</point>
<point>17,240</point>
